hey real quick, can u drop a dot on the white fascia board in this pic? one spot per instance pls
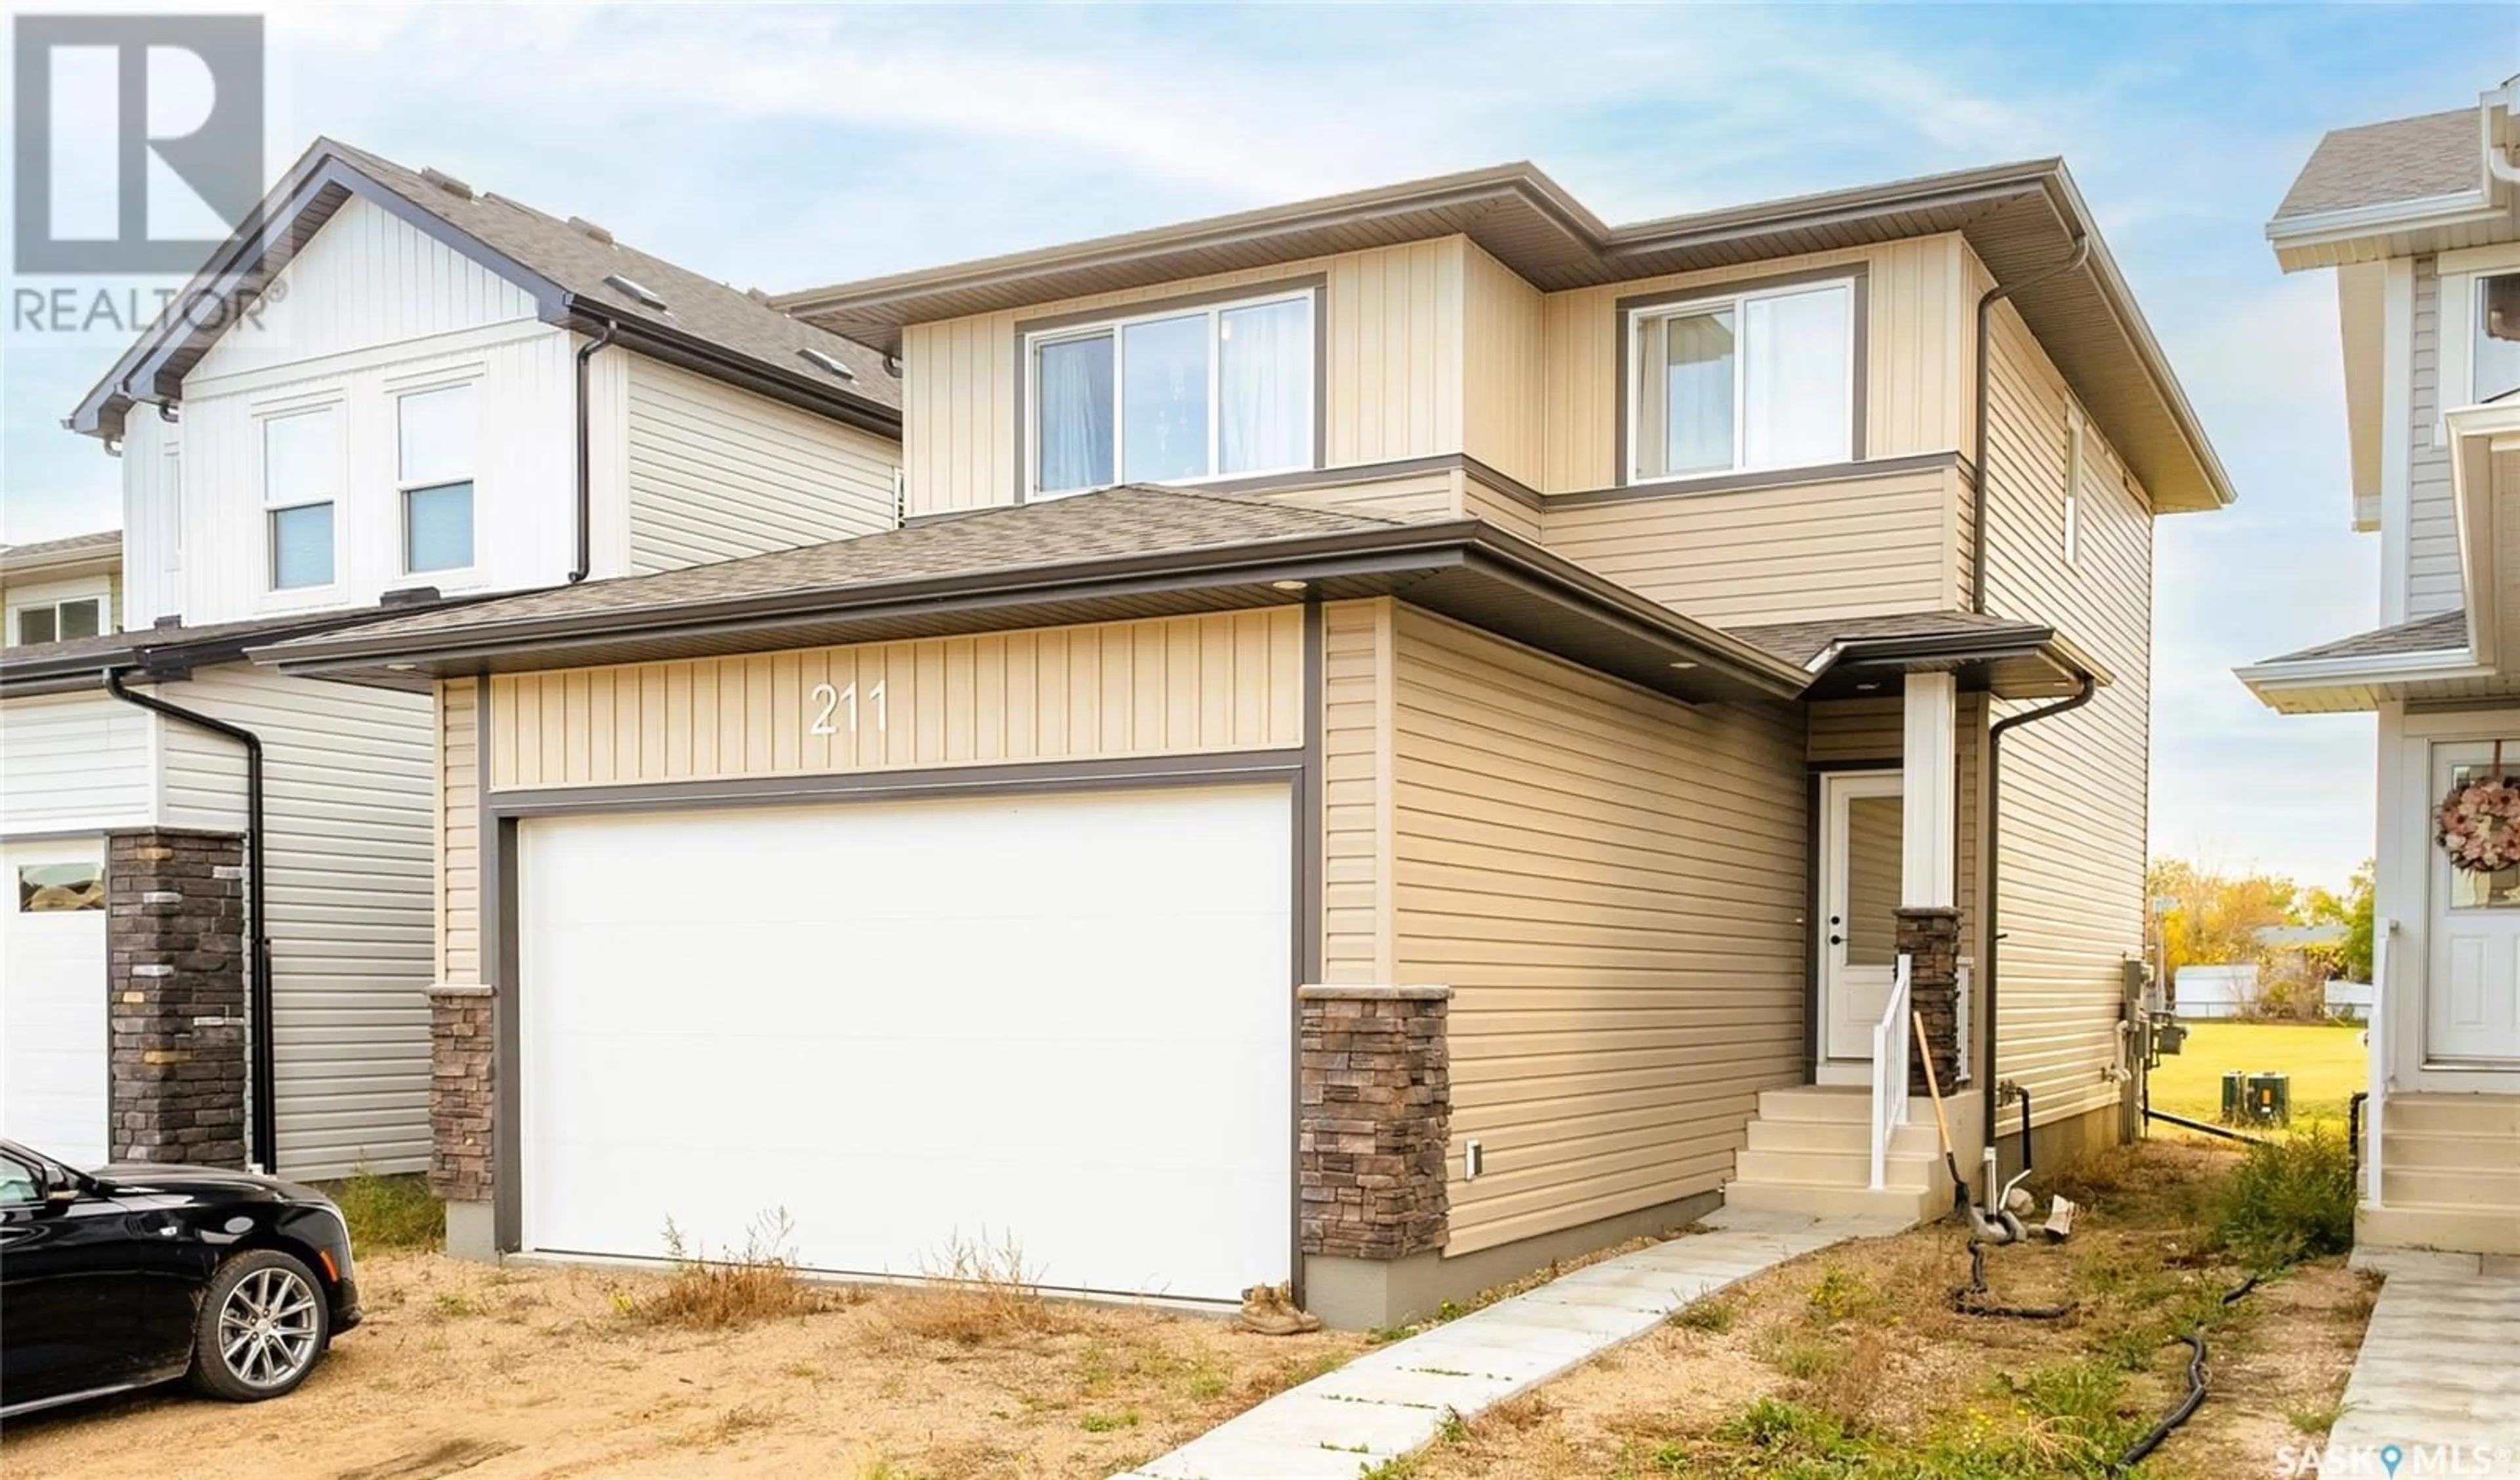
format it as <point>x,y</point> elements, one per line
<point>2384,218</point>
<point>2269,681</point>
<point>2476,433</point>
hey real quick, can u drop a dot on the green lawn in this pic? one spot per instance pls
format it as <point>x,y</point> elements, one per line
<point>2327,1065</point>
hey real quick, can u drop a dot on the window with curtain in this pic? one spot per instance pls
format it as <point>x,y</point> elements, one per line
<point>1743,382</point>
<point>1172,397</point>
<point>434,474</point>
<point>302,474</point>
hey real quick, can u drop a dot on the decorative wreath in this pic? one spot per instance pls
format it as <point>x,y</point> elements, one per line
<point>2479,822</point>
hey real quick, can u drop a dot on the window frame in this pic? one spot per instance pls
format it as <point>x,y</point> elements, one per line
<point>1032,336</point>
<point>1635,313</point>
<point>17,618</point>
<point>404,487</point>
<point>273,593</point>
<point>2473,335</point>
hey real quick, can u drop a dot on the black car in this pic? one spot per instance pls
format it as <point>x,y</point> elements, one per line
<point>133,1275</point>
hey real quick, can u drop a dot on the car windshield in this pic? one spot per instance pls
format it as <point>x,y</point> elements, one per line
<point>18,1182</point>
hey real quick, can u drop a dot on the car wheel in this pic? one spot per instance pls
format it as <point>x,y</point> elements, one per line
<point>262,1327</point>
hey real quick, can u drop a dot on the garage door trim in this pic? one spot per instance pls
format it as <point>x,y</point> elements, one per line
<point>1299,767</point>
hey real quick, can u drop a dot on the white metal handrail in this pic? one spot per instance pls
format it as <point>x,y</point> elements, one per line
<point>1889,1072</point>
<point>2376,1034</point>
<point>1962,1007</point>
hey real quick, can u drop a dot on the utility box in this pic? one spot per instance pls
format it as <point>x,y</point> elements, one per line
<point>2269,1099</point>
<point>2236,1097</point>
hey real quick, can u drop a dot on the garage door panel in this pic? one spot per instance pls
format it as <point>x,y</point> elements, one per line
<point>1059,1020</point>
<point>53,1031</point>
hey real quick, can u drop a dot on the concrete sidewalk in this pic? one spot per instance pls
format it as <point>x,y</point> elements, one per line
<point>1396,1398</point>
<point>2437,1383</point>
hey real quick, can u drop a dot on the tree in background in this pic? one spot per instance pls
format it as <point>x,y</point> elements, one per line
<point>2216,917</point>
<point>2353,911</point>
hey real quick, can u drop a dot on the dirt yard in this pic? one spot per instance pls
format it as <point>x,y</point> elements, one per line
<point>486,1373</point>
<point>1851,1362</point>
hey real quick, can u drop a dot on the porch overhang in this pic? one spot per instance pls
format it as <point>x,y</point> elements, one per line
<point>1871,657</point>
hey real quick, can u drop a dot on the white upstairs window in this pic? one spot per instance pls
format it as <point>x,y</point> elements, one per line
<point>301,485</point>
<point>1743,382</point>
<point>1180,397</point>
<point>436,433</point>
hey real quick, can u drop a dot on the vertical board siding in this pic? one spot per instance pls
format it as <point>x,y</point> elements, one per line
<point>1612,883</point>
<point>2075,793</point>
<point>1915,334</point>
<point>152,575</point>
<point>1501,424</point>
<point>2433,580</point>
<point>1855,548</point>
<point>1167,686</point>
<point>349,800</point>
<point>72,762</point>
<point>716,472</point>
<point>459,847</point>
<point>1356,792</point>
<point>1391,336</point>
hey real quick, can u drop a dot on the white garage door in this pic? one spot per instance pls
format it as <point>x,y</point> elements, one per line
<point>52,999</point>
<point>1055,1023</point>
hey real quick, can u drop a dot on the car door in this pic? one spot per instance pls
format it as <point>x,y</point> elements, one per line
<point>82,1310</point>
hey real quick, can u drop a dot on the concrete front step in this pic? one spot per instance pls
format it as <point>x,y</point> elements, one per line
<point>2469,1230</point>
<point>1843,1169</point>
<point>2448,1148</point>
<point>1849,1105</point>
<point>2466,1187</point>
<point>1908,1204</point>
<point>1853,1136</point>
<point>2452,1114</point>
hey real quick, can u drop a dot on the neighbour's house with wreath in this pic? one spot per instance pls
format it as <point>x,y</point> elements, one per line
<point>2419,221</point>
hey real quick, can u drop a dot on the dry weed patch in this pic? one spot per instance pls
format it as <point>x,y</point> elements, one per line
<point>735,1287</point>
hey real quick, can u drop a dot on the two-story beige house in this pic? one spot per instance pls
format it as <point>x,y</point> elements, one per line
<point>1404,736</point>
<point>2419,219</point>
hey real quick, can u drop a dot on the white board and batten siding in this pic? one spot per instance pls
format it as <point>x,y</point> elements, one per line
<point>75,763</point>
<point>2432,574</point>
<point>716,472</point>
<point>349,782</point>
<point>2076,787</point>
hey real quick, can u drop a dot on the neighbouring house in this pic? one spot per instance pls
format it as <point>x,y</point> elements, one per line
<point>2419,220</point>
<point>421,395</point>
<point>1404,737</point>
<point>57,590</point>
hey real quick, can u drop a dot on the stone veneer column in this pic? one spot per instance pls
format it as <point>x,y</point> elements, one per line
<point>1930,939</point>
<point>461,1085</point>
<point>1374,1115</point>
<point>175,981</point>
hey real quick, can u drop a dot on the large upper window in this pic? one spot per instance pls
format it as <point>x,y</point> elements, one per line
<point>435,478</point>
<point>1742,382</point>
<point>1172,397</point>
<point>2496,367</point>
<point>302,474</point>
<point>61,621</point>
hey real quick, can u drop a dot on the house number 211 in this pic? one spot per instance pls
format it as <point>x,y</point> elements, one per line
<point>832,701</point>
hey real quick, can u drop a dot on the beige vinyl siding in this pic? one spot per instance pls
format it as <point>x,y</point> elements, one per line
<point>2433,580</point>
<point>716,472</point>
<point>1417,496</point>
<point>1500,371</point>
<point>1797,553</point>
<point>1612,883</point>
<point>1917,329</point>
<point>1501,509</point>
<point>459,832</point>
<point>1392,365</point>
<point>1166,686</point>
<point>350,807</point>
<point>1356,792</point>
<point>2075,787</point>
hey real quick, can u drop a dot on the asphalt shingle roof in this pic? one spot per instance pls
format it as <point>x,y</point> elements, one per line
<point>1801,643</point>
<point>101,541</point>
<point>1114,522</point>
<point>2445,632</point>
<point>2401,159</point>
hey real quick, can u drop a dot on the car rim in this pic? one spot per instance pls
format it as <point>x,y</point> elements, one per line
<point>267,1328</point>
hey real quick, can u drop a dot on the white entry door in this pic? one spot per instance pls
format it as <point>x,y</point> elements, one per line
<point>52,999</point>
<point>2472,989</point>
<point>1859,833</point>
<point>1059,1025</point>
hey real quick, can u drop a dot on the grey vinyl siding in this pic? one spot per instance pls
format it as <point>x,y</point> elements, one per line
<point>349,782</point>
<point>1612,883</point>
<point>716,472</point>
<point>74,761</point>
<point>2432,513</point>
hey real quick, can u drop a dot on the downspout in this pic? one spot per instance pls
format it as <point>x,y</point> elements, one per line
<point>1994,878</point>
<point>1984,380</point>
<point>585,473</point>
<point>262,1115</point>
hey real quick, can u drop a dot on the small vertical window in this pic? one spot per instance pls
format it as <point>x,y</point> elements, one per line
<point>434,474</point>
<point>2073,514</point>
<point>301,471</point>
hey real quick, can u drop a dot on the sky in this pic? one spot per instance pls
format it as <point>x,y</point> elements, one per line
<point>796,147</point>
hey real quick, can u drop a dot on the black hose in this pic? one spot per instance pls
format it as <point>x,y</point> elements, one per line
<point>2225,1131</point>
<point>2195,1398</point>
<point>1968,1299</point>
<point>2353,1137</point>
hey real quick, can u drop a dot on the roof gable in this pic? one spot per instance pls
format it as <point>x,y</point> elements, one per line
<point>573,272</point>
